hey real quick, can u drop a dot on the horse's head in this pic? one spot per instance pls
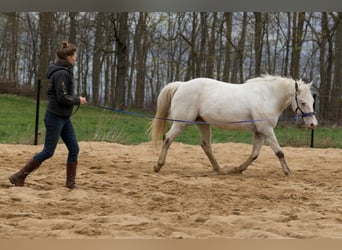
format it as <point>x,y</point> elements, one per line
<point>302,104</point>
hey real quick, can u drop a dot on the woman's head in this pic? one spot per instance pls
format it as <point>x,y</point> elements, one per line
<point>67,51</point>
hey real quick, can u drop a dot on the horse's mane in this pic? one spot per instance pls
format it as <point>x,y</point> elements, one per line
<point>267,77</point>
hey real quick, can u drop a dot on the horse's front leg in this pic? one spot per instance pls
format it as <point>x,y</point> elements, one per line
<point>283,163</point>
<point>277,150</point>
<point>257,144</point>
<point>205,131</point>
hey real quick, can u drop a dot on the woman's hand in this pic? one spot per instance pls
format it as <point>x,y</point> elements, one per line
<point>83,100</point>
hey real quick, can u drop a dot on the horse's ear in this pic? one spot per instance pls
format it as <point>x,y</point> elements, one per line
<point>296,85</point>
<point>308,85</point>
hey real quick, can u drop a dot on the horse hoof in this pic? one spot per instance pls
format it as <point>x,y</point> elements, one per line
<point>235,171</point>
<point>156,169</point>
<point>287,174</point>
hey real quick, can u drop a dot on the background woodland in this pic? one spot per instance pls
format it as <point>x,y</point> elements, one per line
<point>125,58</point>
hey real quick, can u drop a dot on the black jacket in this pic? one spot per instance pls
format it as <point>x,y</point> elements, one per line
<point>61,98</point>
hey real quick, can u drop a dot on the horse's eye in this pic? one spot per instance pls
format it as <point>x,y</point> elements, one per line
<point>303,103</point>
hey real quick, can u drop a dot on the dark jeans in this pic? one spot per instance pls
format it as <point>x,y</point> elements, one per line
<point>56,127</point>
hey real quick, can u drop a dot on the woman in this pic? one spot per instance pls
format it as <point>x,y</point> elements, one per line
<point>61,101</point>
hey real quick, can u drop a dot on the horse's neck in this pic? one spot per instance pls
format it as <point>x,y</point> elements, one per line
<point>286,92</point>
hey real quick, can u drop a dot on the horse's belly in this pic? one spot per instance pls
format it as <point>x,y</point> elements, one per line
<point>236,126</point>
<point>230,121</point>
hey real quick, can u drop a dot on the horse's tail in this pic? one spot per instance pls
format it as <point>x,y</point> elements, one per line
<point>159,125</point>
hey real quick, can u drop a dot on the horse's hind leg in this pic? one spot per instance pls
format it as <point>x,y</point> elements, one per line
<point>174,131</point>
<point>205,131</point>
<point>257,144</point>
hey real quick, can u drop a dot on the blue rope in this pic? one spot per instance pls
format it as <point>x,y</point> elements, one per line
<point>188,121</point>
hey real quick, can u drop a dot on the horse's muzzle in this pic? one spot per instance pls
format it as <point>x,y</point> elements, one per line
<point>311,122</point>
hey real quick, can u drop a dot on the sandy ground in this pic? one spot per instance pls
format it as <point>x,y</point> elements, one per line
<point>119,196</point>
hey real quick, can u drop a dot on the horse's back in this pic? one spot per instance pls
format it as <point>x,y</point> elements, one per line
<point>206,82</point>
<point>214,100</point>
<point>198,96</point>
<point>198,86</point>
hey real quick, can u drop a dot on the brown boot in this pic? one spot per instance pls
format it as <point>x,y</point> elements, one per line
<point>18,179</point>
<point>71,174</point>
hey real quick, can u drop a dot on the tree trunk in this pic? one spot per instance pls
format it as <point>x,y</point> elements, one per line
<point>45,29</point>
<point>140,42</point>
<point>200,60</point>
<point>325,67</point>
<point>14,45</point>
<point>227,62</point>
<point>122,56</point>
<point>73,27</point>
<point>33,58</point>
<point>211,48</point>
<point>275,52</point>
<point>98,47</point>
<point>258,41</point>
<point>192,59</point>
<point>288,41</point>
<point>239,53</point>
<point>297,42</point>
<point>109,58</point>
<point>337,83</point>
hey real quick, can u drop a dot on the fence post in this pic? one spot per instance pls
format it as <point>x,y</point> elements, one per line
<point>37,112</point>
<point>313,131</point>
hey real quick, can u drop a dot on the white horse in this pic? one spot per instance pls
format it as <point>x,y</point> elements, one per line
<point>255,105</point>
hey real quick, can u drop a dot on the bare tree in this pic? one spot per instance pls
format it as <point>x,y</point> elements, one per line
<point>31,51</point>
<point>212,47</point>
<point>337,83</point>
<point>239,53</point>
<point>14,22</point>
<point>325,58</point>
<point>175,46</point>
<point>258,41</point>
<point>73,27</point>
<point>121,37</point>
<point>141,45</point>
<point>297,42</point>
<point>109,60</point>
<point>192,54</point>
<point>84,37</point>
<point>97,55</point>
<point>227,60</point>
<point>201,55</point>
<point>45,29</point>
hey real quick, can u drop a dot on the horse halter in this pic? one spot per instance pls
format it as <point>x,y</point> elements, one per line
<point>303,114</point>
